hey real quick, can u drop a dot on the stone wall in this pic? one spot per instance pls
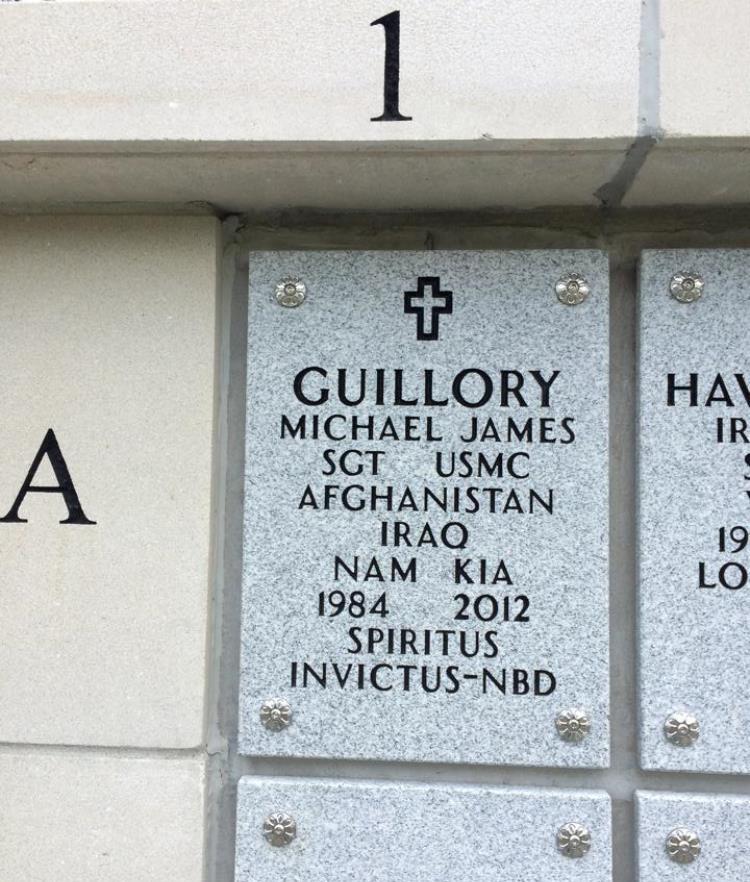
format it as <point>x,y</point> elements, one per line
<point>146,150</point>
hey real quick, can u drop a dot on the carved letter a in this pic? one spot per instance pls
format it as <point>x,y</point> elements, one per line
<point>51,449</point>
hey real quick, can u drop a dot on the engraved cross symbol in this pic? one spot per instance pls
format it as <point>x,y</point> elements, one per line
<point>428,303</point>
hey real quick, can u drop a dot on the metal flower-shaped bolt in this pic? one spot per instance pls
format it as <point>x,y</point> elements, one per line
<point>683,846</point>
<point>291,292</point>
<point>686,287</point>
<point>279,829</point>
<point>573,840</point>
<point>682,730</point>
<point>275,714</point>
<point>572,289</point>
<point>573,725</point>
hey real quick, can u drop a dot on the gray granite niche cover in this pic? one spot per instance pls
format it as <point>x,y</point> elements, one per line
<point>350,832</point>
<point>471,507</point>
<point>694,510</point>
<point>721,823</point>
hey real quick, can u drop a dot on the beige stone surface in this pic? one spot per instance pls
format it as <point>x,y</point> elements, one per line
<point>81,817</point>
<point>353,178</point>
<point>704,56</point>
<point>295,70</point>
<point>693,172</point>
<point>108,329</point>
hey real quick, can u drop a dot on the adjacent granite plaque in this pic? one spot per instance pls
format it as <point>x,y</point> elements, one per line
<point>700,838</point>
<point>425,572</point>
<point>694,519</point>
<point>411,833</point>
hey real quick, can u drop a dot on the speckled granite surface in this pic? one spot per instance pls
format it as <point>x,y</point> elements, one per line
<point>694,641</point>
<point>720,822</point>
<point>538,363</point>
<point>348,832</point>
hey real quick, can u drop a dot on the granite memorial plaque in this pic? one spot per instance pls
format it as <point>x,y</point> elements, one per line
<point>694,510</point>
<point>343,831</point>
<point>425,571</point>
<point>685,836</point>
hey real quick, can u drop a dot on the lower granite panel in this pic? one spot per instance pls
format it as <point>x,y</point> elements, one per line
<point>720,823</point>
<point>350,832</point>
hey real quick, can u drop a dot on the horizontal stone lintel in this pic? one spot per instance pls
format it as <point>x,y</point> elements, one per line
<point>470,175</point>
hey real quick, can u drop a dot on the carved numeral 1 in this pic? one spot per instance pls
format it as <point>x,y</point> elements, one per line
<point>392,27</point>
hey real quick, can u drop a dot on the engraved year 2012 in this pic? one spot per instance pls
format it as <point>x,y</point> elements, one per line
<point>488,608</point>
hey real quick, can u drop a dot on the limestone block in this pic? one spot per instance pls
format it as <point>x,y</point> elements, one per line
<point>264,72</point>
<point>70,816</point>
<point>108,340</point>
<point>703,53</point>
